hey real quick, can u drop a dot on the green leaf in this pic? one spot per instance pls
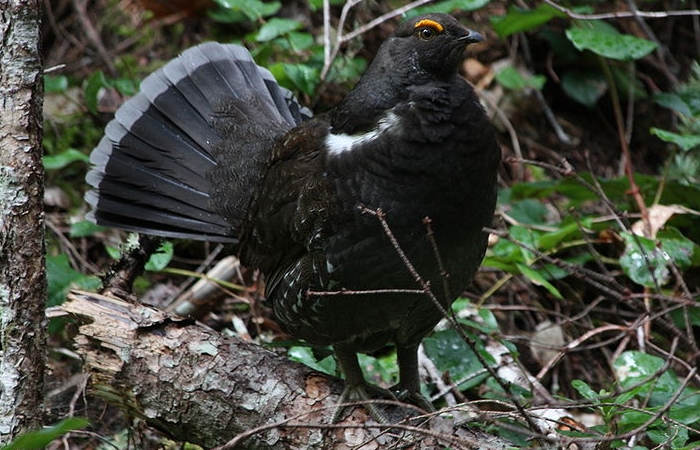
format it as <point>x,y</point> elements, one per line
<point>300,41</point>
<point>528,211</point>
<point>629,420</point>
<point>518,20</point>
<point>646,261</point>
<point>537,278</point>
<point>684,141</point>
<point>668,435</point>
<point>37,440</point>
<point>585,87</point>
<point>510,78</point>
<point>379,369</point>
<point>585,390</point>
<point>549,241</point>
<point>113,252</point>
<point>499,263</point>
<point>125,86</point>
<point>563,50</point>
<point>609,43</point>
<point>54,84</point>
<point>687,409</point>
<point>575,192</point>
<point>161,258</point>
<point>450,354</point>
<point>234,10</point>
<point>224,15</point>
<point>55,162</point>
<point>61,277</point>
<point>344,70</point>
<point>642,261</point>
<point>639,372</point>
<point>554,272</point>
<point>676,103</point>
<point>490,322</point>
<point>628,87</point>
<point>679,248</point>
<point>84,228</point>
<point>276,27</point>
<point>633,366</point>
<point>528,238</point>
<point>693,314</point>
<point>304,78</point>
<point>93,84</point>
<point>305,355</point>
<point>318,4</point>
<point>448,6</point>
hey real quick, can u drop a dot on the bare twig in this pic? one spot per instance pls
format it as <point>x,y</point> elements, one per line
<point>331,53</point>
<point>506,122</point>
<point>602,282</point>
<point>379,214</point>
<point>70,249</point>
<point>92,34</point>
<point>427,221</point>
<point>365,292</point>
<point>383,18</point>
<point>622,14</point>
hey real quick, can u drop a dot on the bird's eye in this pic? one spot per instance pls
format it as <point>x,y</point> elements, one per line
<point>426,33</point>
<point>427,29</point>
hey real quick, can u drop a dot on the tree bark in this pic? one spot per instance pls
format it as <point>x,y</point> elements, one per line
<point>22,274</point>
<point>202,387</point>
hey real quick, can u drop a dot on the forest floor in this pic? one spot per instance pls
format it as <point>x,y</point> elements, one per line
<point>566,189</point>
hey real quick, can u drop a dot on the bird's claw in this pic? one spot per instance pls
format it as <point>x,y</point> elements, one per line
<point>363,394</point>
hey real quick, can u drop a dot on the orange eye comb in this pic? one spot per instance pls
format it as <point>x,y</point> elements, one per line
<point>437,26</point>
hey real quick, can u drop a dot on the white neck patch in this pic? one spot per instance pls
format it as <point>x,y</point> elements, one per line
<point>341,143</point>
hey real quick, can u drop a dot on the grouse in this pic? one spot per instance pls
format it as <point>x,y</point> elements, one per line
<point>343,212</point>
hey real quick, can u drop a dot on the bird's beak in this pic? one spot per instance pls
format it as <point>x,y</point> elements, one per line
<point>472,38</point>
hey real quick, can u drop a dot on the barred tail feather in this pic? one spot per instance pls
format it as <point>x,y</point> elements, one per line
<point>155,169</point>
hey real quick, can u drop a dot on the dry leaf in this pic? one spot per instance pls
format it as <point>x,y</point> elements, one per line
<point>658,216</point>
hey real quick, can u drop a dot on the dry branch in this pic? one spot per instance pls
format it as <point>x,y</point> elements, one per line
<point>202,387</point>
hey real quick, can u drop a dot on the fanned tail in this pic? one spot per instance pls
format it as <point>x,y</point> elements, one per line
<point>182,157</point>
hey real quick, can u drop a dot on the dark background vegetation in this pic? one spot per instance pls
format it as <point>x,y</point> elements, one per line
<point>594,253</point>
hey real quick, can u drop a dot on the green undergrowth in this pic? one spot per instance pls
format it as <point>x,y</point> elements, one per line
<point>610,262</point>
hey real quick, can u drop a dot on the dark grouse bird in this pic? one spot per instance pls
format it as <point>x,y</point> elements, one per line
<point>213,149</point>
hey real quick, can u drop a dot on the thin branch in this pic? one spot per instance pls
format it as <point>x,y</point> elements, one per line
<point>595,279</point>
<point>379,214</point>
<point>623,14</point>
<point>93,35</point>
<point>341,38</point>
<point>365,292</point>
<point>506,122</point>
<point>383,18</point>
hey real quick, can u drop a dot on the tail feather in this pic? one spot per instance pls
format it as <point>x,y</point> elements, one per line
<point>235,71</point>
<point>173,109</point>
<point>147,184</point>
<point>173,155</point>
<point>284,100</point>
<point>111,215</point>
<point>180,159</point>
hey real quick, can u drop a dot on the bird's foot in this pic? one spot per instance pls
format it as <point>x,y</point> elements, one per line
<point>413,397</point>
<point>364,394</point>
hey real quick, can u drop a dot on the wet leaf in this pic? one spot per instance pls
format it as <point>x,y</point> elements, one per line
<point>609,43</point>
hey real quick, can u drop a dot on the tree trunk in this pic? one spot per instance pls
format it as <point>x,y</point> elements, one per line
<point>202,387</point>
<point>22,274</point>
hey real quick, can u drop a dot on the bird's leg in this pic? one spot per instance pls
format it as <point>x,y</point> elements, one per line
<point>356,388</point>
<point>408,388</point>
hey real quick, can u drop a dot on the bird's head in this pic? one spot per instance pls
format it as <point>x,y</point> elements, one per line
<point>424,49</point>
<point>429,45</point>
